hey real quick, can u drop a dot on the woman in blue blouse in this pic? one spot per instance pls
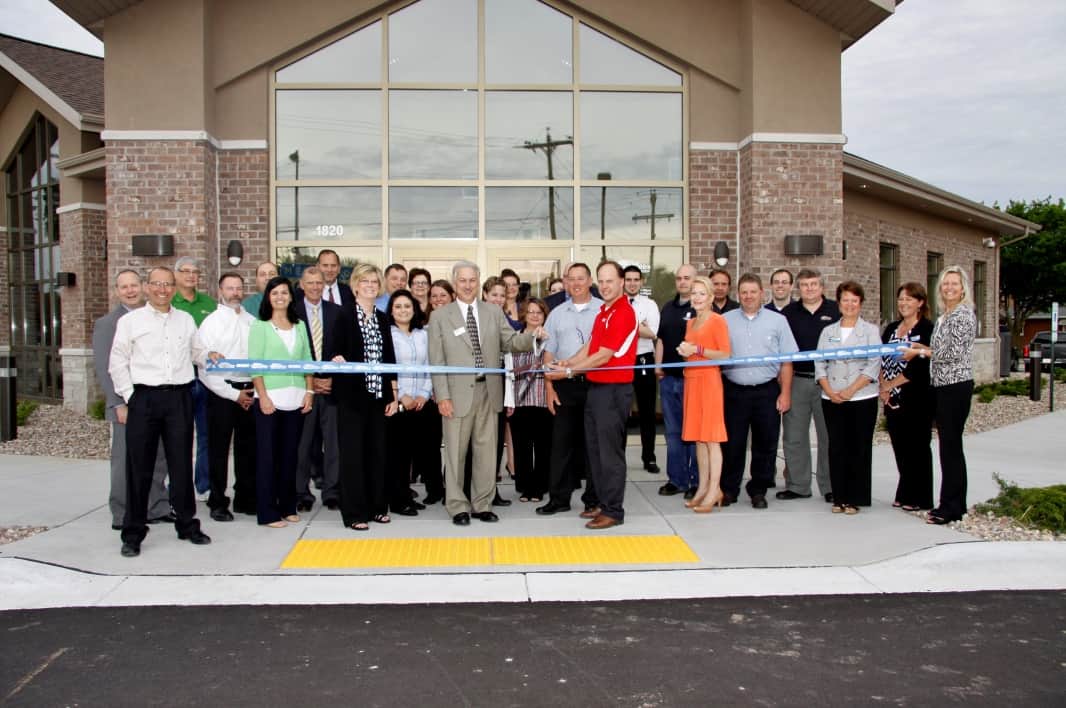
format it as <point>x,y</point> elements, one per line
<point>908,400</point>
<point>364,401</point>
<point>414,432</point>
<point>950,354</point>
<point>849,401</point>
<point>281,401</point>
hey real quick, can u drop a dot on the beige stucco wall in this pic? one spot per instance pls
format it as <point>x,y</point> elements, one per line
<point>752,65</point>
<point>15,118</point>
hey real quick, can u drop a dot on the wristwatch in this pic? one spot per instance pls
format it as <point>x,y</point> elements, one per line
<point>569,373</point>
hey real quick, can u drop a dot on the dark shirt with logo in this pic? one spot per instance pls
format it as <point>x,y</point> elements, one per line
<point>807,326</point>
<point>672,324</point>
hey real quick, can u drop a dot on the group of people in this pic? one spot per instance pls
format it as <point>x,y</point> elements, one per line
<point>556,377</point>
<point>710,411</point>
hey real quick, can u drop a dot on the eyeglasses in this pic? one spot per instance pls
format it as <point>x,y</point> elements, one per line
<point>189,271</point>
<point>160,284</point>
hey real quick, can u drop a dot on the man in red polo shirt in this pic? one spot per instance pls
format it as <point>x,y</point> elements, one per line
<point>613,343</point>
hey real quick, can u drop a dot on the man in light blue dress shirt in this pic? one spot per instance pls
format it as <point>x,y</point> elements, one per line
<point>755,396</point>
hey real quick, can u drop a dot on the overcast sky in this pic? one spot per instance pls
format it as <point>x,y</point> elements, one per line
<point>969,95</point>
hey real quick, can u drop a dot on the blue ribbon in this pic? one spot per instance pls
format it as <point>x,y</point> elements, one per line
<point>259,367</point>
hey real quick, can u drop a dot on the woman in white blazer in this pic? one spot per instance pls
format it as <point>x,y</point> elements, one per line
<point>849,400</point>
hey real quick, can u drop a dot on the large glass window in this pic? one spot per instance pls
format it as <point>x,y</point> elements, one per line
<point>32,191</point>
<point>477,127</point>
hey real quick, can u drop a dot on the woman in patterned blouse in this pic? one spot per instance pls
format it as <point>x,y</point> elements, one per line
<point>951,373</point>
<point>908,400</point>
<point>527,410</point>
<point>364,401</point>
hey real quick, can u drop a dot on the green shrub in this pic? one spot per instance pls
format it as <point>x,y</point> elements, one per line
<point>23,411</point>
<point>986,393</point>
<point>1036,507</point>
<point>96,410</point>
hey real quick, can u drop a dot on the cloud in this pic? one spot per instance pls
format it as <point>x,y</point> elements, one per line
<point>966,94</point>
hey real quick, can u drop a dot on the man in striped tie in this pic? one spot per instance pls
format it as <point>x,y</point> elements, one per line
<point>317,453</point>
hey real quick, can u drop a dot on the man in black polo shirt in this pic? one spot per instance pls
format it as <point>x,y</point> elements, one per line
<point>721,282</point>
<point>807,317</point>
<point>681,471</point>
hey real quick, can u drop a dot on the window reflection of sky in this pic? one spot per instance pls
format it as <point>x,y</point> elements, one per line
<point>433,133</point>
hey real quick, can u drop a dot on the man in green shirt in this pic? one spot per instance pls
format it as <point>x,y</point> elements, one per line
<point>198,304</point>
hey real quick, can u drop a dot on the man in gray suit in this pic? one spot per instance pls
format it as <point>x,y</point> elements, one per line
<point>130,295</point>
<point>471,333</point>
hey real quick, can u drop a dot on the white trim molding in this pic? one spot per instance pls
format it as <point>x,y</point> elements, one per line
<point>806,138</point>
<point>115,135</point>
<point>91,206</point>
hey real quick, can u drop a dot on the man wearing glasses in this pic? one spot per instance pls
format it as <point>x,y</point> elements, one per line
<point>151,367</point>
<point>198,305</point>
<point>569,326</point>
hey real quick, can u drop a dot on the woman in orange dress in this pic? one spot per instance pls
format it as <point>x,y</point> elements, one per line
<point>706,337</point>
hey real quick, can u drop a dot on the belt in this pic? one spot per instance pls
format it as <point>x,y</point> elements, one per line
<point>764,384</point>
<point>240,385</point>
<point>162,387</point>
<point>575,378</point>
<point>479,379</point>
<point>804,374</point>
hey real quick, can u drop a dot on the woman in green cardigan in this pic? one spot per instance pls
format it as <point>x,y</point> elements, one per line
<point>281,402</point>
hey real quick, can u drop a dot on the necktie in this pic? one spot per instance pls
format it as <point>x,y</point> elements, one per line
<point>471,329</point>
<point>329,293</point>
<point>316,334</point>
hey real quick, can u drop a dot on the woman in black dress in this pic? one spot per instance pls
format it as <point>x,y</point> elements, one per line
<point>908,400</point>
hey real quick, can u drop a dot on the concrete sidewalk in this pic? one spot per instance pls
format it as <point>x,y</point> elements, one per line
<point>795,547</point>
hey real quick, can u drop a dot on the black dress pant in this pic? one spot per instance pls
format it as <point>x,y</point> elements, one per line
<point>606,411</point>
<point>277,438</point>
<point>851,439</point>
<point>644,392</point>
<point>227,421</point>
<point>413,452</point>
<point>751,408</point>
<point>531,435</point>
<point>361,432</point>
<point>159,414</point>
<point>910,429</point>
<point>952,405</point>
<point>569,459</point>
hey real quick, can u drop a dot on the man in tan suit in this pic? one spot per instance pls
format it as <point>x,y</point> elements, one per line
<point>471,333</point>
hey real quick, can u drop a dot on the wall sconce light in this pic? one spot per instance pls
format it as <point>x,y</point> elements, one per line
<point>721,253</point>
<point>65,279</point>
<point>235,252</point>
<point>989,242</point>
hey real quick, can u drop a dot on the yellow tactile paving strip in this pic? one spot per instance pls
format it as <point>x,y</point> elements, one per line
<point>512,550</point>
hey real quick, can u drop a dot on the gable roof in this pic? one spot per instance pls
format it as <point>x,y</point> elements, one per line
<point>71,83</point>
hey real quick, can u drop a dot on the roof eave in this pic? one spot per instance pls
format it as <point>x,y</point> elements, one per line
<point>88,122</point>
<point>877,180</point>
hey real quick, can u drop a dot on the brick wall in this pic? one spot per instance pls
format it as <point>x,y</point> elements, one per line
<point>83,238</point>
<point>790,188</point>
<point>244,209</point>
<point>162,187</point>
<point>712,205</point>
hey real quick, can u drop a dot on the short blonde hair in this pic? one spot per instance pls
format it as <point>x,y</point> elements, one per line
<point>967,292</point>
<point>364,269</point>
<point>705,281</point>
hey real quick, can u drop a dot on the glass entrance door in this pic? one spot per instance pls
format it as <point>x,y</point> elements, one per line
<point>535,265</point>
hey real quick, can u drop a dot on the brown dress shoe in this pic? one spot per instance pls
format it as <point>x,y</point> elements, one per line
<point>590,513</point>
<point>602,522</point>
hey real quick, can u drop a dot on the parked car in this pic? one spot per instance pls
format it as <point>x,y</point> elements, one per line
<point>1043,340</point>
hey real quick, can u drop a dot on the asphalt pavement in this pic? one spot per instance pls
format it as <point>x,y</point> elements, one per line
<point>975,649</point>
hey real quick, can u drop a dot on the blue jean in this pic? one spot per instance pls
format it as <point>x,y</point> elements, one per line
<point>202,473</point>
<point>680,455</point>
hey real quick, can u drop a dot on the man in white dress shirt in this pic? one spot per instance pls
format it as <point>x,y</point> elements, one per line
<point>229,403</point>
<point>644,379</point>
<point>151,363</point>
